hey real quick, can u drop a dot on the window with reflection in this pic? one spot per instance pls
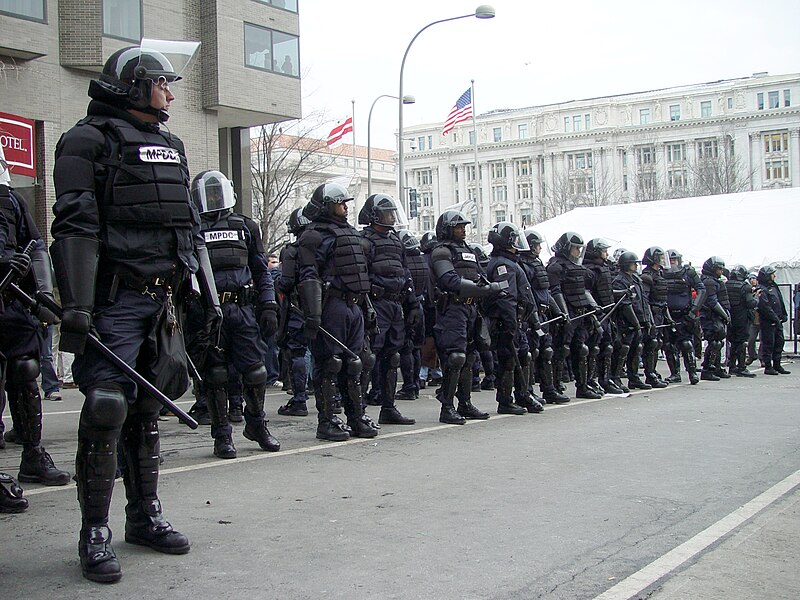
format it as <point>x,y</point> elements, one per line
<point>271,50</point>
<point>122,19</point>
<point>26,9</point>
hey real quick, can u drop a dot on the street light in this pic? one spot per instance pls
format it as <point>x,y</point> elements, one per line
<point>406,100</point>
<point>484,11</point>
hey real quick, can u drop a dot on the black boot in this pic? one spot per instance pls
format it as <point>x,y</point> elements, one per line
<point>389,414</point>
<point>327,428</point>
<point>779,368</point>
<point>362,427</point>
<point>449,415</point>
<point>690,365</point>
<point>582,390</point>
<point>548,389</point>
<point>256,429</point>
<point>98,560</point>
<point>37,467</point>
<point>11,497</point>
<point>145,524</point>
<point>450,378</point>
<point>469,411</point>
<point>221,430</point>
<point>294,409</point>
<point>674,366</point>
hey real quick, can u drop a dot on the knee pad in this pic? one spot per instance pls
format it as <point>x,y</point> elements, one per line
<point>717,344</point>
<point>25,368</point>
<point>547,354</point>
<point>594,350</point>
<point>565,351</point>
<point>583,350</point>
<point>525,359</point>
<point>456,360</point>
<point>332,366</point>
<point>257,376</point>
<point>355,366</point>
<point>607,350</point>
<point>638,348</point>
<point>368,361</point>
<point>105,407</point>
<point>394,360</point>
<point>217,376</point>
<point>687,346</point>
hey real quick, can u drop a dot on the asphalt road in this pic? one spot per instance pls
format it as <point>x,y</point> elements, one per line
<point>688,492</point>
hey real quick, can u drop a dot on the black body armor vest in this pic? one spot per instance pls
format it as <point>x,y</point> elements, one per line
<point>464,261</point>
<point>722,295</point>
<point>573,283</point>
<point>387,253</point>
<point>348,263</point>
<point>226,240</point>
<point>658,291</point>
<point>676,283</point>
<point>734,291</point>
<point>420,274</point>
<point>7,208</point>
<point>603,292</point>
<point>288,259</point>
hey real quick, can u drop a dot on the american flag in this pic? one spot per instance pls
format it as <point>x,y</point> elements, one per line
<point>341,130</point>
<point>462,111</point>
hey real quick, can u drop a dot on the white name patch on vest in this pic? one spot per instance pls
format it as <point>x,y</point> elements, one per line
<point>223,236</point>
<point>159,154</point>
<point>466,256</point>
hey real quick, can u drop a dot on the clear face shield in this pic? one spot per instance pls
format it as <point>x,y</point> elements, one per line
<point>576,253</point>
<point>179,57</point>
<point>520,243</point>
<point>662,260</point>
<point>392,216</point>
<point>213,192</point>
<point>5,170</point>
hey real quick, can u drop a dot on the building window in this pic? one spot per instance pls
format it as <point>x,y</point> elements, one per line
<point>777,169</point>
<point>707,149</point>
<point>624,159</point>
<point>676,180</point>
<point>577,123</point>
<point>676,152</point>
<point>523,167</point>
<point>587,121</point>
<point>730,103</point>
<point>472,138</point>
<point>566,124</point>
<point>675,112</point>
<point>427,199</point>
<point>524,191</point>
<point>774,100</point>
<point>497,170</point>
<point>427,222</point>
<point>497,134</point>
<point>787,97</point>
<point>271,50</point>
<point>644,116</point>
<point>760,97</point>
<point>290,5</point>
<point>499,216</point>
<point>522,131</point>
<point>776,142</point>
<point>645,155</point>
<point>121,19</point>
<point>705,109</point>
<point>624,183</point>
<point>470,172</point>
<point>579,161</point>
<point>647,182</point>
<point>525,217</point>
<point>421,143</point>
<point>499,193</point>
<point>26,9</point>
<point>423,177</point>
<point>581,185</point>
<point>430,142</point>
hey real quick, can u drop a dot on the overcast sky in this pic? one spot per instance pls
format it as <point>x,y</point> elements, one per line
<point>531,53</point>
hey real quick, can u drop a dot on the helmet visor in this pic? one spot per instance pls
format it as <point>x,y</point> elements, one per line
<point>213,192</point>
<point>662,260</point>
<point>5,170</point>
<point>391,215</point>
<point>576,253</point>
<point>520,243</point>
<point>173,59</point>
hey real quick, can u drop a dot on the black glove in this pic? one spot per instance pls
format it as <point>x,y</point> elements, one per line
<point>20,263</point>
<point>213,323</point>
<point>311,328</point>
<point>413,317</point>
<point>44,314</point>
<point>75,325</point>
<point>495,287</point>
<point>268,319</point>
<point>595,323</point>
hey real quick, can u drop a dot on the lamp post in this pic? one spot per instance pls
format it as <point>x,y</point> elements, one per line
<point>406,100</point>
<point>484,11</point>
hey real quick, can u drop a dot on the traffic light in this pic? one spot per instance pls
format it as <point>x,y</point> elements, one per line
<point>413,204</point>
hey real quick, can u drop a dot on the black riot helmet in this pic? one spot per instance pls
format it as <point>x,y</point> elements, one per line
<point>738,273</point>
<point>212,192</point>
<point>534,239</point>
<point>297,221</point>
<point>570,246</point>
<point>596,246</point>
<point>428,242</point>
<point>409,241</point>
<point>766,274</point>
<point>323,198</point>
<point>654,255</point>
<point>505,235</point>
<point>626,259</point>
<point>447,221</point>
<point>128,77</point>
<point>673,254</point>
<point>480,254</point>
<point>712,264</point>
<point>381,209</point>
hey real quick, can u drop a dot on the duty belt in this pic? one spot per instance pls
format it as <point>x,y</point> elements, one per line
<point>242,296</point>
<point>143,285</point>
<point>349,297</point>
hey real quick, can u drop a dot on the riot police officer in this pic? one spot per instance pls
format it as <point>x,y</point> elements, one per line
<point>484,359</point>
<point>247,297</point>
<point>567,279</point>
<point>392,296</point>
<point>743,302</point>
<point>428,356</point>
<point>632,316</point>
<point>655,290</point>
<point>411,353</point>
<point>459,328</point>
<point>714,320</point>
<point>510,313</point>
<point>601,342</point>
<point>681,281</point>
<point>548,309</point>
<point>290,333</point>
<point>127,236</point>
<point>772,315</point>
<point>333,284</point>
<point>21,333</point>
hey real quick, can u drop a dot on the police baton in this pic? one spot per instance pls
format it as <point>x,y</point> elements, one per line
<point>614,307</point>
<point>109,354</point>
<point>561,317</point>
<point>592,312</point>
<point>12,275</point>
<point>329,335</point>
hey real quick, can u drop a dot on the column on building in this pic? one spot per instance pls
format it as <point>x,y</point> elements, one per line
<point>660,159</point>
<point>757,160</point>
<point>536,187</point>
<point>512,202</point>
<point>794,157</point>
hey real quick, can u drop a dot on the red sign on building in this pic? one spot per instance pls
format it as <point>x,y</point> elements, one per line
<point>17,139</point>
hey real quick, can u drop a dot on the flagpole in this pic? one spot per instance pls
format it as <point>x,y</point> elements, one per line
<point>478,190</point>
<point>354,135</point>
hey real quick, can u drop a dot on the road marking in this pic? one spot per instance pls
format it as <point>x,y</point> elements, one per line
<point>634,584</point>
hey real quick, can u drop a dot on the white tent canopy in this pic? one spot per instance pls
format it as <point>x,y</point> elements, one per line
<point>749,228</point>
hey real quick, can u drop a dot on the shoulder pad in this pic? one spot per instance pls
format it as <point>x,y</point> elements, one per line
<point>310,238</point>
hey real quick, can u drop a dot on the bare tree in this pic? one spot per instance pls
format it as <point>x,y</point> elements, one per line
<point>556,196</point>
<point>284,167</point>
<point>648,185</point>
<point>576,188</point>
<point>717,169</point>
